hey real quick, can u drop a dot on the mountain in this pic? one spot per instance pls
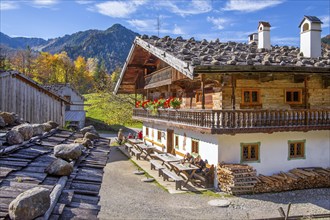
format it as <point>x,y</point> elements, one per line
<point>326,41</point>
<point>20,42</point>
<point>111,46</point>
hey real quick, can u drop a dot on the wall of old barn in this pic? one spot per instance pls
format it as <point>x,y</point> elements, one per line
<point>31,103</point>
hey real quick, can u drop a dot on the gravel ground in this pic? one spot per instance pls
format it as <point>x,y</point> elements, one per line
<point>124,196</point>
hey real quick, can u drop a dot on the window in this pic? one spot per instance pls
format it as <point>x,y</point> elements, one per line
<point>159,136</point>
<point>176,141</point>
<point>250,97</point>
<point>194,146</point>
<point>293,96</point>
<point>147,131</point>
<point>297,149</point>
<point>305,27</point>
<point>199,97</point>
<point>250,152</point>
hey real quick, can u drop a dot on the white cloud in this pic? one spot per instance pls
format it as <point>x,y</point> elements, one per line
<point>119,9</point>
<point>191,8</point>
<point>44,3</point>
<point>8,5</point>
<point>147,25</point>
<point>177,30</point>
<point>219,23</point>
<point>250,5</point>
<point>326,21</point>
<point>84,2</point>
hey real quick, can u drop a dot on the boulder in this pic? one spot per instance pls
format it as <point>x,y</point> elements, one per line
<point>59,167</point>
<point>68,151</point>
<point>91,135</point>
<point>88,129</point>
<point>53,124</point>
<point>25,130</point>
<point>85,142</point>
<point>30,204</point>
<point>47,127</point>
<point>8,117</point>
<point>38,129</point>
<point>14,137</point>
<point>2,122</point>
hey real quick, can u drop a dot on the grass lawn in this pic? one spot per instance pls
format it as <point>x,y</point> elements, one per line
<point>96,113</point>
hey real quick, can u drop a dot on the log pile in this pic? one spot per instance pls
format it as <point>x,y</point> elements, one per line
<point>300,178</point>
<point>236,178</point>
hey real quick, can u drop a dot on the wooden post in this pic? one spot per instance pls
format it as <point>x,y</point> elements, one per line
<point>233,86</point>
<point>306,92</point>
<point>168,91</point>
<point>203,91</point>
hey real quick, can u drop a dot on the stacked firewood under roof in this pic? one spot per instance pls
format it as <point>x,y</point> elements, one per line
<point>236,178</point>
<point>302,178</point>
<point>241,179</point>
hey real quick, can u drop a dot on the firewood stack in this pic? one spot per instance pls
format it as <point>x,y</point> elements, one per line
<point>236,178</point>
<point>302,178</point>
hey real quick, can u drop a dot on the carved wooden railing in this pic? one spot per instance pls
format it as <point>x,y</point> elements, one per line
<point>241,121</point>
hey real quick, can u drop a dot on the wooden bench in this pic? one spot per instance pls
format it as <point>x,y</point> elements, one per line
<point>205,179</point>
<point>156,165</point>
<point>177,179</point>
<point>136,152</point>
<point>128,147</point>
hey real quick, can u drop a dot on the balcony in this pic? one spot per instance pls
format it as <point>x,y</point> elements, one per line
<point>159,78</point>
<point>239,121</point>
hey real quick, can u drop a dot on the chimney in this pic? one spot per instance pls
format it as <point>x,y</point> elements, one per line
<point>253,38</point>
<point>264,35</point>
<point>310,36</point>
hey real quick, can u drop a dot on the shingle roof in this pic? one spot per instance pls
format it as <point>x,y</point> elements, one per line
<point>264,23</point>
<point>313,19</point>
<point>23,168</point>
<point>216,53</point>
<point>58,88</point>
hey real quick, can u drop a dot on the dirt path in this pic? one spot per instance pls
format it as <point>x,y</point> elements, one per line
<point>124,196</point>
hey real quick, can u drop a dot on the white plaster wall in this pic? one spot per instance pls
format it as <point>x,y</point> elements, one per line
<point>274,150</point>
<point>310,41</point>
<point>208,144</point>
<point>264,38</point>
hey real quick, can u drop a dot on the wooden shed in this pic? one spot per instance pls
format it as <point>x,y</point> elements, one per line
<point>31,101</point>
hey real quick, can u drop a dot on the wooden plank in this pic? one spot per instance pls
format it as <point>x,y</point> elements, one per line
<point>13,163</point>
<point>84,198</point>
<point>85,186</point>
<point>84,206</point>
<point>79,213</point>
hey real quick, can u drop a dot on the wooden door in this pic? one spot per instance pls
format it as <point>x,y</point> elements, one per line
<point>170,136</point>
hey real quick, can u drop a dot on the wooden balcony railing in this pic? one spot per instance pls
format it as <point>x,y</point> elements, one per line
<point>159,77</point>
<point>241,121</point>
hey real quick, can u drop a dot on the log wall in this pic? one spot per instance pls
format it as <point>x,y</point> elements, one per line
<point>29,102</point>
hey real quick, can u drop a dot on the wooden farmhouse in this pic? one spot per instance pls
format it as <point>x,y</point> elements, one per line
<point>74,112</point>
<point>266,106</point>
<point>31,101</point>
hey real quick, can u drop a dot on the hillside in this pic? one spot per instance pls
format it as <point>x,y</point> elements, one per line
<point>326,41</point>
<point>110,46</point>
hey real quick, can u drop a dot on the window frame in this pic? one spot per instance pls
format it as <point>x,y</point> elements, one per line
<point>250,90</point>
<point>249,145</point>
<point>176,141</point>
<point>159,135</point>
<point>297,157</point>
<point>193,146</point>
<point>199,97</point>
<point>292,96</point>
<point>147,131</point>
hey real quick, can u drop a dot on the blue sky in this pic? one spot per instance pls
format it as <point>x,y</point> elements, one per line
<point>228,20</point>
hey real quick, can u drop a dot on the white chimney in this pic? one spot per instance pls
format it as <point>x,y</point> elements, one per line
<point>264,35</point>
<point>253,38</point>
<point>310,36</point>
